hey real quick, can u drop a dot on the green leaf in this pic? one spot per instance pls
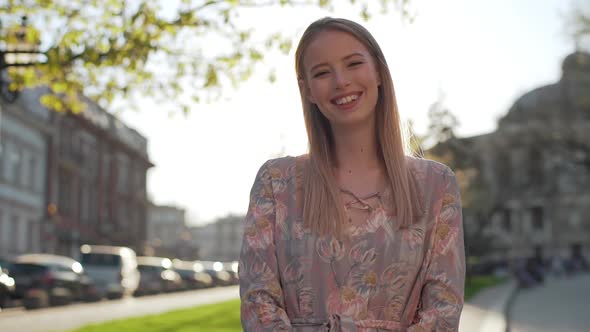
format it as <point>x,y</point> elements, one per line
<point>272,76</point>
<point>211,78</point>
<point>59,87</point>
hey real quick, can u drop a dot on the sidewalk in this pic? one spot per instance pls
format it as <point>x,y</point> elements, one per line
<point>485,311</point>
<point>559,304</point>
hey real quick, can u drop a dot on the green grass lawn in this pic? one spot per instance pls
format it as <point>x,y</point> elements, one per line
<point>475,284</point>
<point>221,317</point>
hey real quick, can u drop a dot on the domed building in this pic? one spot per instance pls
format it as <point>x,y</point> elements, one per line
<point>535,169</point>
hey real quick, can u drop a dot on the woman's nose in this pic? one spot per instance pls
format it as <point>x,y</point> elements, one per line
<point>341,80</point>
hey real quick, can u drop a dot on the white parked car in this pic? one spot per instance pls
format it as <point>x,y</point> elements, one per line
<point>113,269</point>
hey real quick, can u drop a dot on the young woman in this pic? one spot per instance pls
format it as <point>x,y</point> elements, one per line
<point>355,235</point>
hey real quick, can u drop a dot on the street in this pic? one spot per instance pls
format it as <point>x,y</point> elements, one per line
<point>73,316</point>
<point>560,305</point>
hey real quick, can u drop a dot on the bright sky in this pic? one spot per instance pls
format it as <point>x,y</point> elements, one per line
<point>482,54</point>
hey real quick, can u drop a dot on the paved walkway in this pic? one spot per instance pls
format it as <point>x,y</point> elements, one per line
<point>485,311</point>
<point>73,316</point>
<point>560,305</point>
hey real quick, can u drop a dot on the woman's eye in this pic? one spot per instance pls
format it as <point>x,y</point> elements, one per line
<point>355,63</point>
<point>319,74</point>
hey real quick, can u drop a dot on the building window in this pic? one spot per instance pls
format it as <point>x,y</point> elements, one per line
<point>26,169</point>
<point>503,169</point>
<point>65,194</point>
<point>537,218</point>
<point>106,165</point>
<point>536,167</point>
<point>123,174</point>
<point>3,233</point>
<point>84,203</point>
<point>15,234</point>
<point>575,219</point>
<point>33,230</point>
<point>33,174</point>
<point>65,137</point>
<point>506,220</point>
<point>93,203</point>
<point>2,157</point>
<point>15,161</point>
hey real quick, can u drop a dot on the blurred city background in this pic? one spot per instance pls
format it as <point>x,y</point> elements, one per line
<point>131,131</point>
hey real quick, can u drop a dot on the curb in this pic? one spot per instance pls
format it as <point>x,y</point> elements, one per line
<point>494,306</point>
<point>508,307</point>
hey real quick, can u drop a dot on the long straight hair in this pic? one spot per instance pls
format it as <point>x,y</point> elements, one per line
<point>323,211</point>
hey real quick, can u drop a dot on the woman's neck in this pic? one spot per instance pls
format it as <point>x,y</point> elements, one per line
<point>356,152</point>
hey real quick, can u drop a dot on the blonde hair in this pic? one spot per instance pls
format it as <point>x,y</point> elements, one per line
<point>323,212</point>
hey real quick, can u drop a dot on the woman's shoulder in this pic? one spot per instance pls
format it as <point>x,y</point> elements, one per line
<point>285,167</point>
<point>427,169</point>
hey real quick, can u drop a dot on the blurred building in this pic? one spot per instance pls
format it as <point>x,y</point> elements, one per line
<point>97,183</point>
<point>24,146</point>
<point>69,179</point>
<point>220,240</point>
<point>168,235</point>
<point>536,168</point>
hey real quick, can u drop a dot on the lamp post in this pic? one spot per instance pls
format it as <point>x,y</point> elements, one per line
<point>17,52</point>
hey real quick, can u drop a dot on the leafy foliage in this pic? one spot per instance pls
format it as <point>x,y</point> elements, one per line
<point>579,23</point>
<point>442,122</point>
<point>460,155</point>
<point>182,51</point>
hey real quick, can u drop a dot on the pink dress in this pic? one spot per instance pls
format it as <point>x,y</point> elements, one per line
<point>380,278</point>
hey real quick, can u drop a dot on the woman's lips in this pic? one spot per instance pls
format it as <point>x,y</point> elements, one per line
<point>349,100</point>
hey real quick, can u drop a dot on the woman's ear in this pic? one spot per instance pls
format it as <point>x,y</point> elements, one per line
<point>305,89</point>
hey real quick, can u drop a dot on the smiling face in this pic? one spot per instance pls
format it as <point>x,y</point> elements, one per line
<point>340,76</point>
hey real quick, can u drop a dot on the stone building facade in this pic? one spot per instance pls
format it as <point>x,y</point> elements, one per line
<point>24,142</point>
<point>168,235</point>
<point>66,179</point>
<point>220,240</point>
<point>536,169</point>
<point>97,183</point>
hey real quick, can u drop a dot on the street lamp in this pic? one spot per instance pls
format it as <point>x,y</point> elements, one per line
<point>17,52</point>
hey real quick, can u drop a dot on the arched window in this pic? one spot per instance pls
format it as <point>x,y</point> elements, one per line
<point>503,169</point>
<point>535,165</point>
<point>537,218</point>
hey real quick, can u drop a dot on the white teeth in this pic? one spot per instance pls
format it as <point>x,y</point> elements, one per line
<point>346,100</point>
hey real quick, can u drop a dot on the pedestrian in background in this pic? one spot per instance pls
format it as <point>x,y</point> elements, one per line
<point>355,235</point>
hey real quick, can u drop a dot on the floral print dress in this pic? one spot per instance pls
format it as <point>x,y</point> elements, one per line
<point>379,278</point>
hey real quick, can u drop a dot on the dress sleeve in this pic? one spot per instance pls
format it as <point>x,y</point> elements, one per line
<point>442,293</point>
<point>262,301</point>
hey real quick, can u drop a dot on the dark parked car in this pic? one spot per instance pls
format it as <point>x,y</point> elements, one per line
<point>43,279</point>
<point>192,275</point>
<point>156,276</point>
<point>232,269</point>
<point>216,271</point>
<point>6,287</point>
<point>6,264</point>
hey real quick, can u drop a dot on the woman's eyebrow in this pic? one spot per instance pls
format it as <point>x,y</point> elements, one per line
<point>343,58</point>
<point>352,55</point>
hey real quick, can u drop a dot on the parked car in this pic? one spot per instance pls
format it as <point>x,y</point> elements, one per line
<point>232,269</point>
<point>113,269</point>
<point>192,274</point>
<point>44,279</point>
<point>6,287</point>
<point>6,264</point>
<point>216,271</point>
<point>157,276</point>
